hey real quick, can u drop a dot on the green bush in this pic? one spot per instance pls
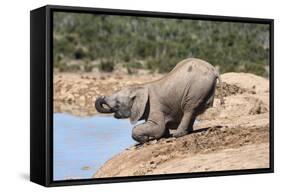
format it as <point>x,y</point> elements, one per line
<point>106,66</point>
<point>79,53</point>
<point>133,66</point>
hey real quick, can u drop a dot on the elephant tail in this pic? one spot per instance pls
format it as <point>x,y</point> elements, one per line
<point>220,89</point>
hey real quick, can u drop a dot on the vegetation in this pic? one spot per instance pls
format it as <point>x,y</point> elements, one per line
<point>86,41</point>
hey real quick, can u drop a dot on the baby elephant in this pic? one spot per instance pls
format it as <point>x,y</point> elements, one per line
<point>172,102</point>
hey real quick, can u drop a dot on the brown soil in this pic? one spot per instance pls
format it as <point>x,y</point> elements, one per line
<point>212,149</point>
<point>228,137</point>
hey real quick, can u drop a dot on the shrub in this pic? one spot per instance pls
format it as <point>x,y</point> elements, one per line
<point>79,53</point>
<point>160,43</point>
<point>133,66</point>
<point>106,65</point>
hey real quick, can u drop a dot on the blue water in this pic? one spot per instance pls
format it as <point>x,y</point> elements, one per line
<point>83,144</point>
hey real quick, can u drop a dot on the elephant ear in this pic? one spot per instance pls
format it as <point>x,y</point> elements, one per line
<point>140,99</point>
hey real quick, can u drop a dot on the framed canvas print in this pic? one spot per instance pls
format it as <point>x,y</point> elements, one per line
<point>125,95</point>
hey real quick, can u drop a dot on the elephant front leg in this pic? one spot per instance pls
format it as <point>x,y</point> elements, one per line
<point>186,125</point>
<point>148,131</point>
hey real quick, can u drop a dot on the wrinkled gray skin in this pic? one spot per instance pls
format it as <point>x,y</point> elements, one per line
<point>172,102</point>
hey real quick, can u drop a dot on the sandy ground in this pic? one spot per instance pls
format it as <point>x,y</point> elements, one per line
<point>229,137</point>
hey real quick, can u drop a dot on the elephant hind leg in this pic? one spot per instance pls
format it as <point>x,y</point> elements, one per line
<point>148,131</point>
<point>186,125</point>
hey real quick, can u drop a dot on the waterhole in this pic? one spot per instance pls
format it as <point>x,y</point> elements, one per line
<point>81,145</point>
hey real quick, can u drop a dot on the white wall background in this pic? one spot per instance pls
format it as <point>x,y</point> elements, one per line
<point>14,94</point>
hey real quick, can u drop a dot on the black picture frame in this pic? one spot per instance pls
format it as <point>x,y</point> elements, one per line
<point>41,93</point>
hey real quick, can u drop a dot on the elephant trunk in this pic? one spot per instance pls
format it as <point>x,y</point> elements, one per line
<point>99,106</point>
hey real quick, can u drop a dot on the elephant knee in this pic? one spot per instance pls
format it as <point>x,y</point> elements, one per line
<point>148,131</point>
<point>139,135</point>
<point>135,134</point>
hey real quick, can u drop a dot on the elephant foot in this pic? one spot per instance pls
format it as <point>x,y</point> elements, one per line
<point>177,134</point>
<point>142,138</point>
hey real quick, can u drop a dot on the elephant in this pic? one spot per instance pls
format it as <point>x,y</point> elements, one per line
<point>169,103</point>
